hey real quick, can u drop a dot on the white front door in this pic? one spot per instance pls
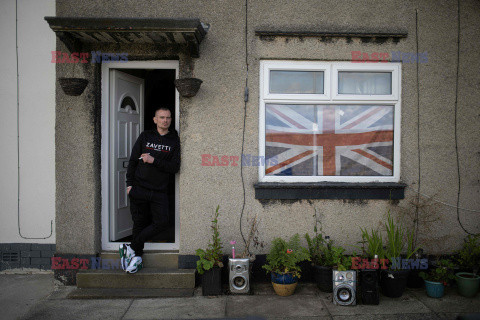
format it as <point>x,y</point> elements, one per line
<point>126,111</point>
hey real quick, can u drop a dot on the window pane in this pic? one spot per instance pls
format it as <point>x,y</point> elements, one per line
<point>329,140</point>
<point>289,140</point>
<point>364,82</point>
<point>300,82</point>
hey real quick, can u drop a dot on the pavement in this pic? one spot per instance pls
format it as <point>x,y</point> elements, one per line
<point>39,296</point>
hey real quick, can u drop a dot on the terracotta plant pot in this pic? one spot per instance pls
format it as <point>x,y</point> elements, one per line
<point>73,86</point>
<point>284,290</point>
<point>188,87</point>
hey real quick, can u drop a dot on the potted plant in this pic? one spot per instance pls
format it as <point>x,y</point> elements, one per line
<point>282,263</point>
<point>321,272</point>
<point>324,256</point>
<point>414,280</point>
<point>317,247</point>
<point>394,280</point>
<point>210,263</point>
<point>436,279</point>
<point>469,260</point>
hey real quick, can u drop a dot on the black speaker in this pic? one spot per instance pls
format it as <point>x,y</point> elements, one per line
<point>369,287</point>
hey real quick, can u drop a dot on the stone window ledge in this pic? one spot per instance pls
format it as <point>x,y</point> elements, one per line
<point>329,190</point>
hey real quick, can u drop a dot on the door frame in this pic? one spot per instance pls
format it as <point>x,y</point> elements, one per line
<point>106,156</point>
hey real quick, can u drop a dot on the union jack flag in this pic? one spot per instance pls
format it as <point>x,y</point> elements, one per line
<point>329,140</point>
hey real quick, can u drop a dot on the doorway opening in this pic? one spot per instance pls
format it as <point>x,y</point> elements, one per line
<point>135,90</point>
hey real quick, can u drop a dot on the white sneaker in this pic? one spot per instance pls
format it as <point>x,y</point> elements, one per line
<point>126,255</point>
<point>135,265</point>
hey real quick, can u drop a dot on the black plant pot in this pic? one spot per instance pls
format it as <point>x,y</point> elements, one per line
<point>73,86</point>
<point>393,282</point>
<point>414,280</point>
<point>323,278</point>
<point>212,282</point>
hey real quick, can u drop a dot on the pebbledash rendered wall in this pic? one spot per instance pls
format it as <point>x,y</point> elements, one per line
<point>212,121</point>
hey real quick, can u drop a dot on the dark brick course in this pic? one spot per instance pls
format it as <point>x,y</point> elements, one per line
<point>30,255</point>
<point>41,261</point>
<point>9,265</point>
<point>40,246</point>
<point>47,254</point>
<point>20,246</point>
<point>25,262</point>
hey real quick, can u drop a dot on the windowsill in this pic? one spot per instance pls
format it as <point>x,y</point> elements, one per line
<point>330,190</point>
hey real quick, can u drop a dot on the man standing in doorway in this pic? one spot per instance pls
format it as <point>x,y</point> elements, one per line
<point>155,158</point>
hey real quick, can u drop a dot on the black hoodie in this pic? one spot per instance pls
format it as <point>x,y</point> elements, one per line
<point>166,151</point>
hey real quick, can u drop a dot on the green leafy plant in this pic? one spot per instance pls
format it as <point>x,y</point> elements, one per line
<point>334,257</point>
<point>373,244</point>
<point>411,249</point>
<point>323,252</point>
<point>284,256</point>
<point>442,273</point>
<point>212,257</point>
<point>469,254</point>
<point>397,238</point>
<point>316,245</point>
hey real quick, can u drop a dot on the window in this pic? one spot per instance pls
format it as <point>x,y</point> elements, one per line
<point>329,122</point>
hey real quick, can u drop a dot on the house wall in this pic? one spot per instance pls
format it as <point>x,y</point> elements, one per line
<point>212,121</point>
<point>36,103</point>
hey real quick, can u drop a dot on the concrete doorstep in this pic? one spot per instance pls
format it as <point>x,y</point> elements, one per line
<point>308,302</point>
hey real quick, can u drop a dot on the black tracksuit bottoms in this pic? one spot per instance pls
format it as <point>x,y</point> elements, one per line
<point>149,210</point>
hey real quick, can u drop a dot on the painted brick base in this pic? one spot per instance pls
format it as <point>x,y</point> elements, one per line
<point>26,255</point>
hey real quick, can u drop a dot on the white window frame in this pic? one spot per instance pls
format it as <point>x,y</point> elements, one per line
<point>330,97</point>
<point>296,66</point>
<point>394,68</point>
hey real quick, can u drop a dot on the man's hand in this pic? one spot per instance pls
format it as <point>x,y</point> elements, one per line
<point>147,158</point>
<point>128,189</point>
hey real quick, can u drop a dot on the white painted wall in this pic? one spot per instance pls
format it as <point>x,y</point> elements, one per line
<point>36,122</point>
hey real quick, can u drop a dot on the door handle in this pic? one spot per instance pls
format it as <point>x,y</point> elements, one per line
<point>125,164</point>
